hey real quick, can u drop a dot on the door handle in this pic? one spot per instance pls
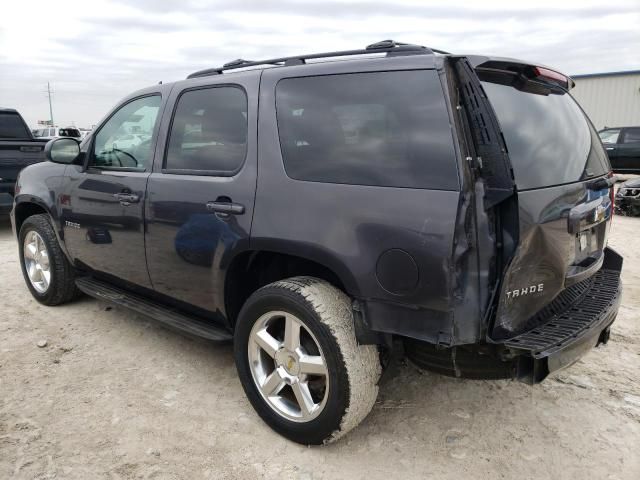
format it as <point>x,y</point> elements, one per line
<point>224,209</point>
<point>609,148</point>
<point>126,199</point>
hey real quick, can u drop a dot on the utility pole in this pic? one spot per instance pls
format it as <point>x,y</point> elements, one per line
<point>50,107</point>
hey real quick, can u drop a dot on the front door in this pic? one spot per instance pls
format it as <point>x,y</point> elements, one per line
<point>201,192</point>
<point>103,204</point>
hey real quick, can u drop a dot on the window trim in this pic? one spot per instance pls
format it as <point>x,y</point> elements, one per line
<point>204,173</point>
<point>154,138</point>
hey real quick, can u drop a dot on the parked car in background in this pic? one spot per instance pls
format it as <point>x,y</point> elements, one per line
<point>623,148</point>
<point>47,133</point>
<point>313,212</point>
<point>628,197</point>
<point>18,149</point>
<point>130,140</point>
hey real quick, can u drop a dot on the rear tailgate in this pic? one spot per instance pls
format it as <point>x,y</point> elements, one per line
<point>562,192</point>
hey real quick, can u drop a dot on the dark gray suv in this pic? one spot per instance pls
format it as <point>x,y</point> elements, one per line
<point>316,208</point>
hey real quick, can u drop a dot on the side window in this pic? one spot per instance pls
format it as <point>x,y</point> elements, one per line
<point>631,135</point>
<point>209,131</point>
<point>124,141</point>
<point>609,136</point>
<point>380,129</point>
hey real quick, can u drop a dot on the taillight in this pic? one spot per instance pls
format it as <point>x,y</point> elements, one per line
<point>612,195</point>
<point>553,77</point>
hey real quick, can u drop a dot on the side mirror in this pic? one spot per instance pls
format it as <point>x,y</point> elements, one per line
<point>62,150</point>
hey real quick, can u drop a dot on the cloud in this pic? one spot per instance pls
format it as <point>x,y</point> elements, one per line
<point>96,52</point>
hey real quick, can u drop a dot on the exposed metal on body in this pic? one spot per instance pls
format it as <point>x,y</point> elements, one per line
<point>278,363</point>
<point>36,262</point>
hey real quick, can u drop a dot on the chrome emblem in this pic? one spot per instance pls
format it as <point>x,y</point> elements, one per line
<point>72,224</point>
<point>521,292</point>
<point>599,213</point>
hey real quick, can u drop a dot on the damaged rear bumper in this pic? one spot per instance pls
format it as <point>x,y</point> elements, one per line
<point>569,334</point>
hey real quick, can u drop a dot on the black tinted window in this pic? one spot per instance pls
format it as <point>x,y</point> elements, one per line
<point>550,141</point>
<point>12,127</point>
<point>209,131</point>
<point>631,135</point>
<point>383,128</point>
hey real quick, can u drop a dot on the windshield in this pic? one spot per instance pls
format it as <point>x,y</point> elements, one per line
<point>11,126</point>
<point>549,139</point>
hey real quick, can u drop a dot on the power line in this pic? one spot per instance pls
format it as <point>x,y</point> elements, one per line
<point>49,92</point>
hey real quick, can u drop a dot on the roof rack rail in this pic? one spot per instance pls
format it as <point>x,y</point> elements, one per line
<point>392,48</point>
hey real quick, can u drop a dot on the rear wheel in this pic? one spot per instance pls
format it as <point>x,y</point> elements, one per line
<point>46,270</point>
<point>299,362</point>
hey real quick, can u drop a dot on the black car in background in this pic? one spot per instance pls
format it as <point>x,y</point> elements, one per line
<point>623,148</point>
<point>18,148</point>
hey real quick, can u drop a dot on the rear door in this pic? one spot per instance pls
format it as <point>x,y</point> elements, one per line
<point>628,150</point>
<point>559,171</point>
<point>202,190</point>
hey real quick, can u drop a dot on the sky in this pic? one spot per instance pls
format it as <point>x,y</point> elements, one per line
<point>94,52</point>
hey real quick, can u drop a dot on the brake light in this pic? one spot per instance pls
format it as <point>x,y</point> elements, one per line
<point>553,77</point>
<point>612,195</point>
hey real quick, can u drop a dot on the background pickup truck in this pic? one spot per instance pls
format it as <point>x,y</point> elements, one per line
<point>18,149</point>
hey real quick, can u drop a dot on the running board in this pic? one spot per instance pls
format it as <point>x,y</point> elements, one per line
<point>169,317</point>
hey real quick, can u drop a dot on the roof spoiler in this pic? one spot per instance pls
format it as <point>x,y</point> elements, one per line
<point>525,71</point>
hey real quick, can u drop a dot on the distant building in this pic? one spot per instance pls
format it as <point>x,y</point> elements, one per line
<point>610,99</point>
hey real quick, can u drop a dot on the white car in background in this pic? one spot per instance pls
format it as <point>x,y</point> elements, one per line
<point>129,141</point>
<point>55,132</point>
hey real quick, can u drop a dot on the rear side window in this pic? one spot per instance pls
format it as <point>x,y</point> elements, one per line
<point>549,139</point>
<point>12,127</point>
<point>382,129</point>
<point>209,131</point>
<point>631,135</point>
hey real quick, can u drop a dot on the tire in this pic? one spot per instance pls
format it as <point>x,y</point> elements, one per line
<point>342,396</point>
<point>61,287</point>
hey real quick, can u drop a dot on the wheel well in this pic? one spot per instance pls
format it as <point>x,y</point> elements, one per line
<point>24,211</point>
<point>254,269</point>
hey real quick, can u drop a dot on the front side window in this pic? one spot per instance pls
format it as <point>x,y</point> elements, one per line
<point>631,135</point>
<point>381,129</point>
<point>609,136</point>
<point>209,131</point>
<point>116,146</point>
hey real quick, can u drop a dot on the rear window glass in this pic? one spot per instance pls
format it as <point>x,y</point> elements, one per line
<point>383,129</point>
<point>12,127</point>
<point>549,139</point>
<point>631,135</point>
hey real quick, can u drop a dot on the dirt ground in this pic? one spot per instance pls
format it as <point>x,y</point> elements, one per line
<point>112,395</point>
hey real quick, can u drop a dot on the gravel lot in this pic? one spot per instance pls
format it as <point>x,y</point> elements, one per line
<point>114,396</point>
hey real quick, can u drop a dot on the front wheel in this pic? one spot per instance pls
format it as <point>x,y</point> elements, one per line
<point>47,272</point>
<point>299,362</point>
